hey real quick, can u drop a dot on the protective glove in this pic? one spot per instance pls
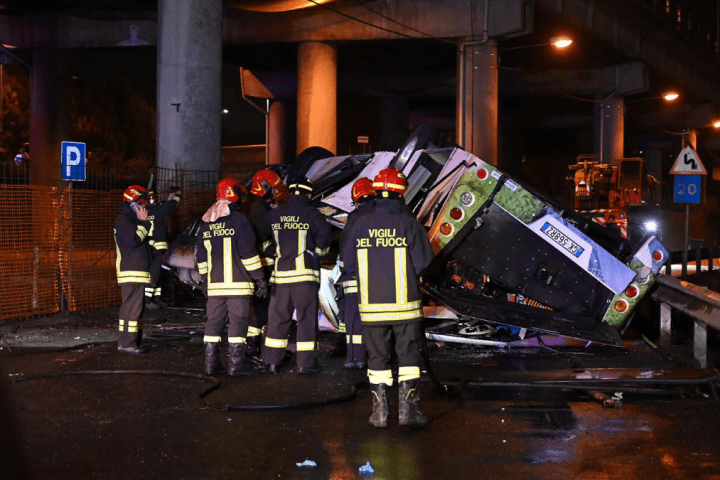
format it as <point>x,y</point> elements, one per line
<point>261,288</point>
<point>175,194</point>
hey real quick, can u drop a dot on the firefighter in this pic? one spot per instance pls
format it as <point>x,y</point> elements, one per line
<point>302,237</point>
<point>264,188</point>
<point>386,251</point>
<point>363,195</point>
<point>131,231</point>
<point>227,258</point>
<point>157,214</point>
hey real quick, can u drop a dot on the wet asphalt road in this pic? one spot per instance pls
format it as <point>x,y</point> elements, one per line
<point>155,425</point>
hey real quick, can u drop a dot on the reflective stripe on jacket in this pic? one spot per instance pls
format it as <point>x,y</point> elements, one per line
<point>226,256</point>
<point>386,251</point>
<point>157,214</point>
<point>132,254</point>
<point>349,284</point>
<point>302,237</point>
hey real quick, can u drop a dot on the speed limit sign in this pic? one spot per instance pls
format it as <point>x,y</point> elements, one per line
<point>687,188</point>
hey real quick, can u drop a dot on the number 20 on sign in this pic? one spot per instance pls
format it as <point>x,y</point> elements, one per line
<point>687,188</point>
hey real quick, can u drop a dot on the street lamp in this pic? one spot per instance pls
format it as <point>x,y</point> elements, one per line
<point>667,96</point>
<point>561,42</point>
<point>558,42</point>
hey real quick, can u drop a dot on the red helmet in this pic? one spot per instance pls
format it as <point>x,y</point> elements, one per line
<point>229,189</point>
<point>135,193</point>
<point>390,180</point>
<point>361,188</point>
<point>264,181</point>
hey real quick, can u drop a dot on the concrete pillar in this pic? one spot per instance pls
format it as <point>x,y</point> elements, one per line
<point>611,119</point>
<point>477,100</point>
<point>394,128</point>
<point>317,96</point>
<point>49,117</point>
<point>276,133</point>
<point>189,65</point>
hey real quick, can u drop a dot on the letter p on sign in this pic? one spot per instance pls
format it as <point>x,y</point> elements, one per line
<point>73,161</point>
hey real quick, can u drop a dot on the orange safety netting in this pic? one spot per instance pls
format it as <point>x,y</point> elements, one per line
<point>52,238</point>
<point>87,248</point>
<point>29,260</point>
<point>193,205</point>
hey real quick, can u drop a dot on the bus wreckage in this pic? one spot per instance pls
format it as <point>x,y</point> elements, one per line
<point>507,258</point>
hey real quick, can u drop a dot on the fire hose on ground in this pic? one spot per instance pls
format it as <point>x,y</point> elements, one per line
<point>450,388</point>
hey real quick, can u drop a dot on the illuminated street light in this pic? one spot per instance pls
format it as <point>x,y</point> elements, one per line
<point>561,42</point>
<point>558,42</point>
<point>667,96</point>
<point>716,124</point>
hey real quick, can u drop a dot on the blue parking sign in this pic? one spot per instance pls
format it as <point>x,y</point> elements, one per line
<point>687,188</point>
<point>73,161</point>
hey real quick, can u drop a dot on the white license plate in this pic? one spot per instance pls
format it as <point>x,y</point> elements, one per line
<point>561,239</point>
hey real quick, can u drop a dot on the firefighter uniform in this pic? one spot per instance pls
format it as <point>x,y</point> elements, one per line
<point>157,214</point>
<point>353,326</point>
<point>227,258</point>
<point>258,209</point>
<point>133,271</point>
<point>301,236</point>
<point>386,251</point>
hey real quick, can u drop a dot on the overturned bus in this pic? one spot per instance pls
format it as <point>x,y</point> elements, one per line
<point>505,255</point>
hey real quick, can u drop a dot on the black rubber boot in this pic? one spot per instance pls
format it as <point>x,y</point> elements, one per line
<point>238,366</point>
<point>409,396</point>
<point>253,346</point>
<point>213,366</point>
<point>150,305</point>
<point>381,405</point>
<point>159,302</point>
<point>130,343</point>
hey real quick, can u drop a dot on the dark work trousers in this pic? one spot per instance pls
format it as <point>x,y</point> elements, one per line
<point>378,341</point>
<point>353,330</point>
<point>154,289</point>
<point>237,311</point>
<point>302,297</point>
<point>259,317</point>
<point>129,314</point>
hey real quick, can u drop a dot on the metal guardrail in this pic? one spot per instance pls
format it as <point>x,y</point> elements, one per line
<point>699,303</point>
<point>697,255</point>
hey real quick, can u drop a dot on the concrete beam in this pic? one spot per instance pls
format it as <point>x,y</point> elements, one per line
<point>624,79</point>
<point>65,31</point>
<point>679,118</point>
<point>381,20</point>
<point>630,29</point>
